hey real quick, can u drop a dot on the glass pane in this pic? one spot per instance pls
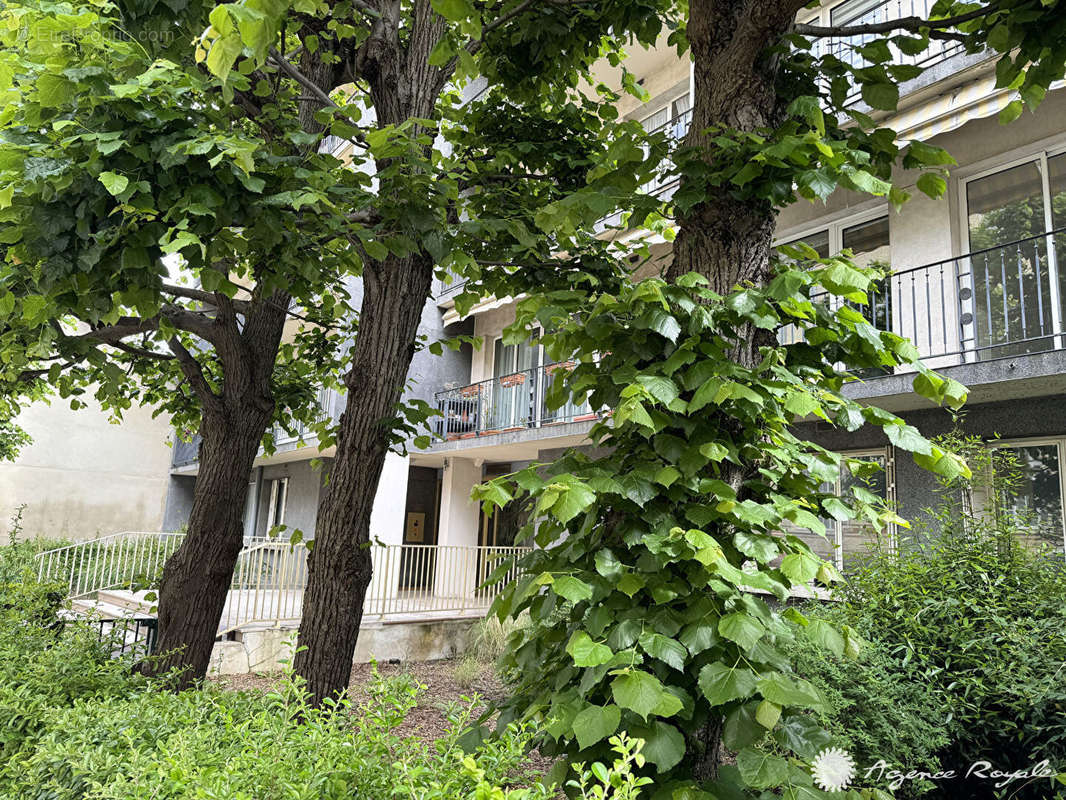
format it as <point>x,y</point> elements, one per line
<point>856,536</point>
<point>1039,497</point>
<point>681,104</point>
<point>1012,292</point>
<point>869,241</point>
<point>655,121</point>
<point>857,10</point>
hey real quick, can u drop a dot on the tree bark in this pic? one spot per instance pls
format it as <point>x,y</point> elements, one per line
<point>726,240</point>
<point>339,569</point>
<point>196,579</point>
<point>403,85</point>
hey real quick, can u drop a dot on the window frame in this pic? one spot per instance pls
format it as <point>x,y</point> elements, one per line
<point>277,485</point>
<point>888,454</point>
<point>1043,441</point>
<point>836,228</point>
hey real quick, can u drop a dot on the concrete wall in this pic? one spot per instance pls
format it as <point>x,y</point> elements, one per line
<point>84,477</point>
<point>178,502</point>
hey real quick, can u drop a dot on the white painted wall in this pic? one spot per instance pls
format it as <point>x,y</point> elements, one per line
<point>84,477</point>
<point>390,503</point>
<point>456,571</point>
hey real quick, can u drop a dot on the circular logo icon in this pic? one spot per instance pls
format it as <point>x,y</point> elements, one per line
<point>833,769</point>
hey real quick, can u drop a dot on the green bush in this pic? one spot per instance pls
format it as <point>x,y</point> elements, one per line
<point>875,708</point>
<point>76,723</point>
<point>966,621</point>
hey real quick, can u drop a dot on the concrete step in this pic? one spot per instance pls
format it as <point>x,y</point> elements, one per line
<point>134,602</point>
<point>102,609</point>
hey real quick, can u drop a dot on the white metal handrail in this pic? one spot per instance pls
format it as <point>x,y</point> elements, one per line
<point>267,588</point>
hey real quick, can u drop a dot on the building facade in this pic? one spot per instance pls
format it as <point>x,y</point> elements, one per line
<point>978,282</point>
<point>84,477</point>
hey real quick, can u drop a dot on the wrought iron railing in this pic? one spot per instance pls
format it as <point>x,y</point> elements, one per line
<point>508,403</point>
<point>997,302</point>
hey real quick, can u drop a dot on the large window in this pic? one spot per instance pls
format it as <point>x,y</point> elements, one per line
<point>845,542</point>
<point>1038,501</point>
<point>868,239</point>
<point>1016,302</point>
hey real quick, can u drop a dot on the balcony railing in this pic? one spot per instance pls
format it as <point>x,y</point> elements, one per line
<point>844,48</point>
<point>509,403</point>
<point>993,303</point>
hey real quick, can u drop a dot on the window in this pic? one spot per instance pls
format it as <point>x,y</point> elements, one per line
<point>1016,297</point>
<point>866,12</point>
<point>671,110</point>
<point>846,541</point>
<point>1039,500</point>
<point>868,239</point>
<point>250,509</point>
<point>279,490</point>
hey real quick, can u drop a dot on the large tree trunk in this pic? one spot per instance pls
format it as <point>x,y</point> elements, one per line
<point>196,579</point>
<point>339,569</point>
<point>725,240</point>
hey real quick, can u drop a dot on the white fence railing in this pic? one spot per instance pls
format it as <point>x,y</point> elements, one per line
<point>271,575</point>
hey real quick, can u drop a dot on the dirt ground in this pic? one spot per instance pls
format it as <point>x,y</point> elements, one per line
<point>428,719</point>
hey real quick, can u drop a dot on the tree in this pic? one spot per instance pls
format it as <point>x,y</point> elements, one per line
<point>643,614</point>
<point>155,239</point>
<point>457,187</point>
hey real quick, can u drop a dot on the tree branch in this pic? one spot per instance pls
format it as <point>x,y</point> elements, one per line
<point>192,370</point>
<point>289,69</point>
<point>909,24</point>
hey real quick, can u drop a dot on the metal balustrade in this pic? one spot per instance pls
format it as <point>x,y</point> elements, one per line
<point>410,582</point>
<point>993,303</point>
<point>845,48</point>
<point>508,403</point>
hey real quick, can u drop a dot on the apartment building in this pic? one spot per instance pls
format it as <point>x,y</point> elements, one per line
<point>976,281</point>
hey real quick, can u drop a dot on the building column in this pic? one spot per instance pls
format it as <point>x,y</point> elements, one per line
<point>387,520</point>
<point>456,573</point>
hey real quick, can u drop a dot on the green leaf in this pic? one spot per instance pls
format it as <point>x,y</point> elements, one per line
<point>573,499</point>
<point>664,745</point>
<point>800,568</point>
<point>667,650</point>
<point>114,183</point>
<point>825,635</point>
<point>453,10</point>
<point>932,184</point>
<point>767,714</point>
<point>54,90</point>
<point>587,653</point>
<point>740,628</point>
<point>761,770</point>
<point>644,694</point>
<point>595,723</point>
<point>907,437</point>
<point>664,324</point>
<point>1011,112</point>
<point>721,684</point>
<point>881,95</point>
<point>787,691</point>
<point>571,588</point>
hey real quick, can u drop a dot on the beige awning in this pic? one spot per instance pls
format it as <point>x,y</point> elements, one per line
<point>954,109</point>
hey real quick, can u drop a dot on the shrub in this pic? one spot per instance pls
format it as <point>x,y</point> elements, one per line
<point>875,708</point>
<point>971,615</point>
<point>76,723</point>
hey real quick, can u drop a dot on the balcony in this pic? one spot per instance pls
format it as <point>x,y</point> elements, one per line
<point>508,403</point>
<point>864,12</point>
<point>999,302</point>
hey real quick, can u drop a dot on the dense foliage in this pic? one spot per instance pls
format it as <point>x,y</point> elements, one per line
<point>641,618</point>
<point>964,617</point>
